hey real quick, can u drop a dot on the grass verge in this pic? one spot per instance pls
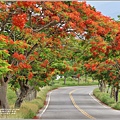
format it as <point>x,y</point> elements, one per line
<point>74,82</point>
<point>28,109</point>
<point>106,99</point>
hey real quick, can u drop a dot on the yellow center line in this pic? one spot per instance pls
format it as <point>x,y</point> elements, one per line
<point>77,107</point>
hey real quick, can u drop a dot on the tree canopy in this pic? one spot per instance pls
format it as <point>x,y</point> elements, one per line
<point>39,38</point>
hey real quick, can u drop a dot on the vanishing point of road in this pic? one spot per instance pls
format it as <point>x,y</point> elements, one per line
<point>76,103</point>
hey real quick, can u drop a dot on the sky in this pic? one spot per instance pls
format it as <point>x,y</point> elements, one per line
<point>107,8</point>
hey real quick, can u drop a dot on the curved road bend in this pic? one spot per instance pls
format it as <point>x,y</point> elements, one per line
<point>76,103</point>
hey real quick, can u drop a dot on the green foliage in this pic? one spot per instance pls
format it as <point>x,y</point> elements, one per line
<point>73,82</point>
<point>11,96</point>
<point>117,106</point>
<point>3,59</point>
<point>105,98</point>
<point>59,66</point>
<point>49,42</point>
<point>69,79</point>
<point>3,67</point>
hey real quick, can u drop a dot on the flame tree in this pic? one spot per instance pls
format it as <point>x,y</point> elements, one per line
<point>35,32</point>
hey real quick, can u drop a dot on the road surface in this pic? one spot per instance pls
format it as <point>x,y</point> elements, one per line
<point>76,103</point>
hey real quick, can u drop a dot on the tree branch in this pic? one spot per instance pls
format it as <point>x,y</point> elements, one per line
<point>4,22</point>
<point>32,49</point>
<point>45,26</point>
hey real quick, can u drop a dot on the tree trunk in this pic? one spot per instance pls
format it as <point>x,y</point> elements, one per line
<point>3,94</point>
<point>93,79</point>
<point>116,93</point>
<point>23,93</point>
<point>104,85</point>
<point>78,80</point>
<point>17,93</point>
<point>64,80</point>
<point>101,86</point>
<point>52,81</point>
<point>32,94</point>
<point>35,94</point>
<point>112,92</point>
<point>85,77</point>
<point>18,102</point>
<point>108,89</point>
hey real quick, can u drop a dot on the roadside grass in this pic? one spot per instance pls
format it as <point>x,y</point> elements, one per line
<point>29,109</point>
<point>74,82</point>
<point>106,99</point>
<point>11,97</point>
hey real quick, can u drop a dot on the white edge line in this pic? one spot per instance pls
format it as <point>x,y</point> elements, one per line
<point>102,104</point>
<point>91,95</point>
<point>45,106</point>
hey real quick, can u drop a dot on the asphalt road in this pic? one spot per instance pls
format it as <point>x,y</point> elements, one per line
<point>76,103</point>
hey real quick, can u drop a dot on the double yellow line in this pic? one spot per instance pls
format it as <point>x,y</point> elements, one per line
<point>77,107</point>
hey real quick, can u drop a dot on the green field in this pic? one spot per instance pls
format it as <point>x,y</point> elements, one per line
<point>73,82</point>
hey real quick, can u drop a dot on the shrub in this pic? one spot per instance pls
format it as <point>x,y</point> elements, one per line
<point>105,98</point>
<point>117,106</point>
<point>69,79</point>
